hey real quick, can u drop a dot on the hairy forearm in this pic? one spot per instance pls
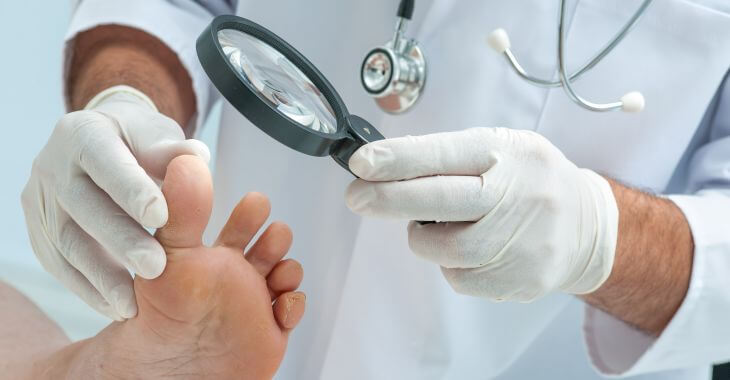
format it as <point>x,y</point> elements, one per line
<point>111,55</point>
<point>653,261</point>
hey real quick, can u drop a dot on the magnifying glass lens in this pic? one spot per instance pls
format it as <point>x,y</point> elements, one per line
<point>278,81</point>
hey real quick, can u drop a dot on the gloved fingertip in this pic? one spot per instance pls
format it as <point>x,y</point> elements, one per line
<point>148,264</point>
<point>109,311</point>
<point>371,162</point>
<point>199,149</point>
<point>359,195</point>
<point>154,214</point>
<point>122,298</point>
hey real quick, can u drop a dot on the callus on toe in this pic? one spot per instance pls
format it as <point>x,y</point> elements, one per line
<point>289,308</point>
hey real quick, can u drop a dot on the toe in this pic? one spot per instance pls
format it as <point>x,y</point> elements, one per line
<point>285,277</point>
<point>289,309</point>
<point>188,190</point>
<point>270,248</point>
<point>246,219</point>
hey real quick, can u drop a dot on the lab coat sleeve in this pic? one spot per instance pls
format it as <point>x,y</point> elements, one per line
<point>177,23</point>
<point>699,333</point>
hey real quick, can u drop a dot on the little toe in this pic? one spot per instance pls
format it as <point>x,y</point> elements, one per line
<point>285,277</point>
<point>289,309</point>
<point>270,248</point>
<point>246,219</point>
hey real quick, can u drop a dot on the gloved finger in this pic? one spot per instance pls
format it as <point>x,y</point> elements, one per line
<point>491,283</point>
<point>188,189</point>
<point>155,158</point>
<point>440,198</point>
<point>72,279</point>
<point>454,245</point>
<point>116,231</point>
<point>103,155</point>
<point>468,153</point>
<point>289,309</point>
<point>106,275</point>
<point>270,248</point>
<point>245,220</point>
<point>55,263</point>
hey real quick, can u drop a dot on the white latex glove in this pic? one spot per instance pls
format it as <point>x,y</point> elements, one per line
<point>93,188</point>
<point>517,219</point>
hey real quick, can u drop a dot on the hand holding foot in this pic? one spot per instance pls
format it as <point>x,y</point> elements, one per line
<point>213,313</point>
<point>210,313</point>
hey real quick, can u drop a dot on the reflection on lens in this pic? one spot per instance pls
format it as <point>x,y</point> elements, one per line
<point>278,80</point>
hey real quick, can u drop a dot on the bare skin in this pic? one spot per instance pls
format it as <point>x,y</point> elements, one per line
<point>653,261</point>
<point>213,313</point>
<point>111,55</point>
<point>654,251</point>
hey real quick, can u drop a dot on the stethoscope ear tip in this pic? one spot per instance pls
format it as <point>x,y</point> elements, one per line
<point>499,40</point>
<point>632,102</point>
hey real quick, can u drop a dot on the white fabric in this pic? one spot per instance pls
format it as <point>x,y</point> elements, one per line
<point>401,320</point>
<point>708,175</point>
<point>92,190</point>
<point>506,237</point>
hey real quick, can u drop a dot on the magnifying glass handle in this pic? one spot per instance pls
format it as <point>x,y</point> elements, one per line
<point>360,133</point>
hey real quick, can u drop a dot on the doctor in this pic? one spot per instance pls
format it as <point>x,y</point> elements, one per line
<point>542,210</point>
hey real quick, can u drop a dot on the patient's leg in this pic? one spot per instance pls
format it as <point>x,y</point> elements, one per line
<point>26,333</point>
<point>212,314</point>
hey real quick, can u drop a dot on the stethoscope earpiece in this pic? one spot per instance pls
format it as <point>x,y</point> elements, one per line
<point>498,40</point>
<point>630,102</point>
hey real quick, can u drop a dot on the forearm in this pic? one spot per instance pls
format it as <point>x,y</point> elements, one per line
<point>652,264</point>
<point>111,55</point>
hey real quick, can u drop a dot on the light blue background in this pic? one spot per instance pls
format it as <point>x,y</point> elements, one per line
<point>30,103</point>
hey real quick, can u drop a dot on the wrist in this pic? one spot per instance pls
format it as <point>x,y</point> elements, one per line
<point>599,240</point>
<point>121,93</point>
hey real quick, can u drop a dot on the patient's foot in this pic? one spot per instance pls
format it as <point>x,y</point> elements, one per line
<point>210,314</point>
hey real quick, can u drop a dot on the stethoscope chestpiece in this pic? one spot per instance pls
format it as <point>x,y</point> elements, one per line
<point>395,74</point>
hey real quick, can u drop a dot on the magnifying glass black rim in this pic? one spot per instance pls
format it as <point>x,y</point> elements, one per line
<point>251,103</point>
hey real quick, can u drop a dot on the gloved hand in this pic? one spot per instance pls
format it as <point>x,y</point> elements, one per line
<point>515,218</point>
<point>93,189</point>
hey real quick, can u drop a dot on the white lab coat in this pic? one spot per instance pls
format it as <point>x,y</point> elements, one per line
<point>377,312</point>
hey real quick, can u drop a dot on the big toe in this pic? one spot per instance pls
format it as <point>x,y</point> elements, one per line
<point>188,190</point>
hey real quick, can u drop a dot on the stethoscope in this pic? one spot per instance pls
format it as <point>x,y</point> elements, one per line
<point>283,94</point>
<point>395,74</point>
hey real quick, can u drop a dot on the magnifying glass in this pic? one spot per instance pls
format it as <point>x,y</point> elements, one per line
<point>279,90</point>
